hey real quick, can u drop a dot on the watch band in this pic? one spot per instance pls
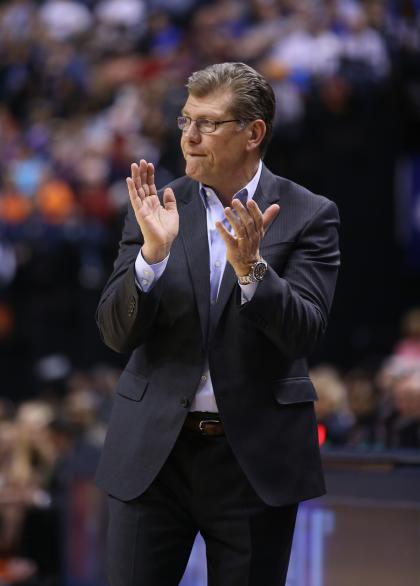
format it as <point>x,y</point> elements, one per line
<point>245,280</point>
<point>256,273</point>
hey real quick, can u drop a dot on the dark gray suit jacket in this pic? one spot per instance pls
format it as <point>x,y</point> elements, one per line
<point>257,351</point>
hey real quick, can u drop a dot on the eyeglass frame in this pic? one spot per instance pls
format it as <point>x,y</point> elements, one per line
<point>216,123</point>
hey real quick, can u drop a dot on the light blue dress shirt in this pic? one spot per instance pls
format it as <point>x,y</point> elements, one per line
<point>147,275</point>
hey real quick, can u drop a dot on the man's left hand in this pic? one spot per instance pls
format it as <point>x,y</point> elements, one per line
<point>249,225</point>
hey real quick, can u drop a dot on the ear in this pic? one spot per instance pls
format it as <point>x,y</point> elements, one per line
<point>256,133</point>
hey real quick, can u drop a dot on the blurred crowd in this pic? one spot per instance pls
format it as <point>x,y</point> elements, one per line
<point>377,409</point>
<point>87,87</point>
<point>50,513</point>
<point>52,517</point>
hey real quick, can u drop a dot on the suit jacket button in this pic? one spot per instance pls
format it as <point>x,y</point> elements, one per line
<point>131,307</point>
<point>185,402</point>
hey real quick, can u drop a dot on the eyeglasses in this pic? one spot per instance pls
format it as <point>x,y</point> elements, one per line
<point>204,125</point>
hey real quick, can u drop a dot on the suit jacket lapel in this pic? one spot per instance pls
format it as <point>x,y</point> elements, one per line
<point>265,194</point>
<point>193,229</point>
<point>267,191</point>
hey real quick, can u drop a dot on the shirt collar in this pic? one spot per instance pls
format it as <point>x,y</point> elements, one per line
<point>243,194</point>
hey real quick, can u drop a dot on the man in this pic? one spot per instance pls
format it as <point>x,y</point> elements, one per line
<point>221,288</point>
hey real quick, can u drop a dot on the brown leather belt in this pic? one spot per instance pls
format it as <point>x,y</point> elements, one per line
<point>204,423</point>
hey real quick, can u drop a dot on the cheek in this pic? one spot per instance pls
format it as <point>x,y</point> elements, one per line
<point>183,144</point>
<point>223,160</point>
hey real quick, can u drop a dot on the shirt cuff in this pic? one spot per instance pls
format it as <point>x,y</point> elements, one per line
<point>247,292</point>
<point>147,275</point>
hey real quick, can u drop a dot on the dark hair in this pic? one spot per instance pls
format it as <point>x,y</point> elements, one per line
<point>253,96</point>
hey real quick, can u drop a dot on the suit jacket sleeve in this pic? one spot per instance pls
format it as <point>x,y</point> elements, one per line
<point>125,314</point>
<point>292,306</point>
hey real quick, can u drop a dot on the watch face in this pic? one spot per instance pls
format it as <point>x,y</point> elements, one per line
<point>259,270</point>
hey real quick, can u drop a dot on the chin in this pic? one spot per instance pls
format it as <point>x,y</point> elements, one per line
<point>194,174</point>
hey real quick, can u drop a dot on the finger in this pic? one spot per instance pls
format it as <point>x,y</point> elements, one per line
<point>269,214</point>
<point>244,216</point>
<point>135,174</point>
<point>228,239</point>
<point>136,201</point>
<point>143,177</point>
<point>169,200</point>
<point>256,214</point>
<point>151,179</point>
<point>235,222</point>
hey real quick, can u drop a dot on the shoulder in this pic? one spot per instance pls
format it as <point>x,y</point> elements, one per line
<point>296,197</point>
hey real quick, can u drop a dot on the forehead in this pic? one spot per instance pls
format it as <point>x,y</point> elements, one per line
<point>213,105</point>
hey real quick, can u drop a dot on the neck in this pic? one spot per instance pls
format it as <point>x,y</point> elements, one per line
<point>226,190</point>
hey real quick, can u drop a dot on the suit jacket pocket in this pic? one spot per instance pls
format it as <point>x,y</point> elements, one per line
<point>294,390</point>
<point>132,386</point>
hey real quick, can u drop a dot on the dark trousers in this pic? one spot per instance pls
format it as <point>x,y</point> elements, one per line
<point>201,487</point>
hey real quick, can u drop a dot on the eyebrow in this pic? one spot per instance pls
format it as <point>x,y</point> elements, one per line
<point>210,116</point>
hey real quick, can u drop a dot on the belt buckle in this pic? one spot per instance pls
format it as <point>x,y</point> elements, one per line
<point>203,421</point>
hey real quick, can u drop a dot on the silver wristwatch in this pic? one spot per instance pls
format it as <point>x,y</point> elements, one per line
<point>256,273</point>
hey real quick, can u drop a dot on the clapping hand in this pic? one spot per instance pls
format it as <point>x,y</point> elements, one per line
<point>249,225</point>
<point>159,223</point>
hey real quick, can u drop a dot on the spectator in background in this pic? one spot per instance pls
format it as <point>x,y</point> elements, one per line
<point>332,408</point>
<point>15,208</point>
<point>48,453</point>
<point>27,172</point>
<point>363,403</point>
<point>363,46</point>
<point>55,201</point>
<point>64,19</point>
<point>409,345</point>
<point>27,460</point>
<point>261,30</point>
<point>406,395</point>
<point>399,384</point>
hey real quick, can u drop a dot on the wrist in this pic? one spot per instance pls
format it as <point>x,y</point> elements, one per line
<point>243,269</point>
<point>154,255</point>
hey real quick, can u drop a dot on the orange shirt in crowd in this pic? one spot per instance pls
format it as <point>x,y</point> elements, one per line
<point>14,207</point>
<point>55,201</point>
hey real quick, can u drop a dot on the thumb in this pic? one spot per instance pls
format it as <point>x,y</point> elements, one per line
<point>269,214</point>
<point>169,200</point>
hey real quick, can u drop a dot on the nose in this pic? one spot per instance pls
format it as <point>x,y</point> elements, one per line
<point>192,133</point>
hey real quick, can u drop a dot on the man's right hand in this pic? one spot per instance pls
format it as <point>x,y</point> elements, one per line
<point>159,223</point>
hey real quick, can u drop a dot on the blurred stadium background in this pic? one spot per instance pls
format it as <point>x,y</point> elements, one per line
<point>87,87</point>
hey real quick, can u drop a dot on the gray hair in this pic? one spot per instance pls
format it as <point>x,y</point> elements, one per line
<point>253,96</point>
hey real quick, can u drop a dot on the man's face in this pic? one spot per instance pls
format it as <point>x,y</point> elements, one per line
<point>213,158</point>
